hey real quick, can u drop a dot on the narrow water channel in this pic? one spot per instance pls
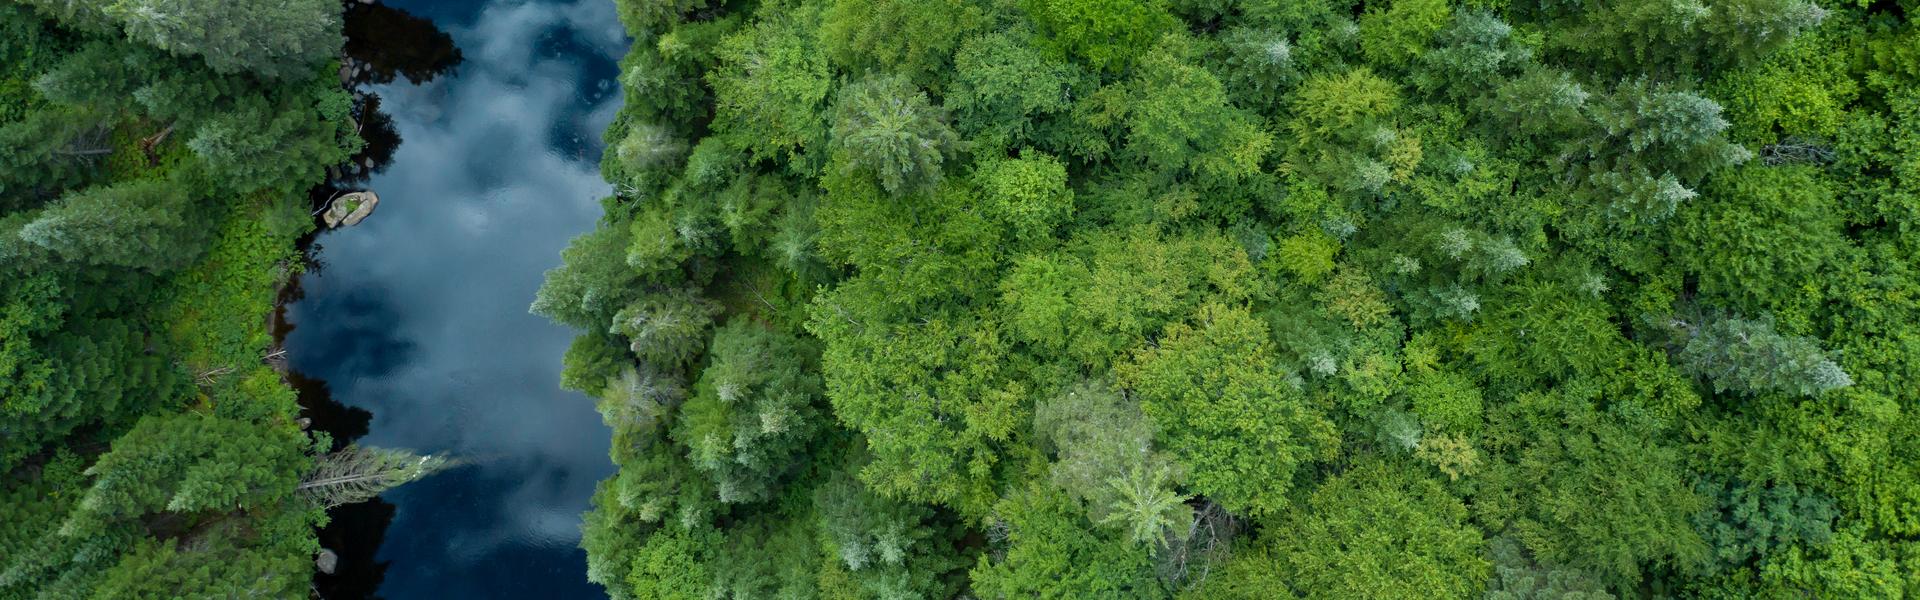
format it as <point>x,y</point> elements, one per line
<point>418,316</point>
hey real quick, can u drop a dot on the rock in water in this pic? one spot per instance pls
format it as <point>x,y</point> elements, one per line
<point>349,209</point>
<point>326,561</point>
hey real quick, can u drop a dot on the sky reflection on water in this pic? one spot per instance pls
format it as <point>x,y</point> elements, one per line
<point>419,314</point>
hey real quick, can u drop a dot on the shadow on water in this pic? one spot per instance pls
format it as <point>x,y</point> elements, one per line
<point>382,43</point>
<point>391,43</point>
<point>353,532</point>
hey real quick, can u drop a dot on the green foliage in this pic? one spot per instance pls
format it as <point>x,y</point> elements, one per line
<point>1107,35</point>
<point>282,40</point>
<point>769,88</point>
<point>1476,50</point>
<point>1747,521</point>
<point>650,16</point>
<point>263,147</point>
<point>1053,552</point>
<point>1104,456</point>
<point>1003,89</point>
<point>1849,566</point>
<point>889,548</point>
<point>1263,299</point>
<point>1748,356</point>
<point>1343,133</point>
<point>1400,34</point>
<point>667,329</point>
<point>1061,302</point>
<point>187,464</point>
<point>930,398</point>
<point>1339,545</point>
<point>751,411</point>
<point>592,284</point>
<point>673,565</point>
<point>1029,194</point>
<point>241,274</point>
<point>1447,400</point>
<point>886,129</point>
<point>1518,577</point>
<point>1790,230</point>
<point>1226,412</point>
<point>1145,509</point>
<point>1583,490</point>
<point>913,38</point>
<point>154,159</point>
<point>1177,116</point>
<point>139,224</point>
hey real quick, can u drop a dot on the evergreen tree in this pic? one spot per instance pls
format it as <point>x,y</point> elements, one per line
<point>886,129</point>
<point>752,412</point>
<point>666,330</point>
<point>592,283</point>
<point>1337,546</point>
<point>1227,413</point>
<point>889,548</point>
<point>356,474</point>
<point>142,224</point>
<point>1749,356</point>
<point>279,40</point>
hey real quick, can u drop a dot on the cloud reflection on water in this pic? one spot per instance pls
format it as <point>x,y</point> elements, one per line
<point>496,172</point>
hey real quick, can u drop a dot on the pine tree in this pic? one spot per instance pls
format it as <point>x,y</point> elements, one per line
<point>887,129</point>
<point>143,224</point>
<point>188,465</point>
<point>1750,357</point>
<point>666,329</point>
<point>357,474</point>
<point>640,397</point>
<point>276,145</point>
<point>1146,508</point>
<point>1471,56</point>
<point>47,151</point>
<point>277,40</point>
<point>592,283</point>
<point>753,411</point>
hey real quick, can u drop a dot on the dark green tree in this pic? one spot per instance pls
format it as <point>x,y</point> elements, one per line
<point>146,224</point>
<point>753,412</point>
<point>279,40</point>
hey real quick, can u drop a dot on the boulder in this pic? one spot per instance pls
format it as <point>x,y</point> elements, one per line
<point>326,561</point>
<point>349,209</point>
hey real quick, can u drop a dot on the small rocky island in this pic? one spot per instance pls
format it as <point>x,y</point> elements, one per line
<point>349,209</point>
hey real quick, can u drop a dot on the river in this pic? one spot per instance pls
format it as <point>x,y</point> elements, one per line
<point>415,322</point>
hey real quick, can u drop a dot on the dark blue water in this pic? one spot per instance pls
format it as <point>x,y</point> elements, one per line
<point>419,315</point>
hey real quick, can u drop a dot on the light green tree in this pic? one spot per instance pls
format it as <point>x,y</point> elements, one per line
<point>886,129</point>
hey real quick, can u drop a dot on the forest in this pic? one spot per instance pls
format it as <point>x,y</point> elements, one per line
<point>1228,299</point>
<point>156,158</point>
<point>1006,299</point>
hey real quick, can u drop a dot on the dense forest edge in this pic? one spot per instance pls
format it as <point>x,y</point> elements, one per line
<point>156,164</point>
<point>1257,299</point>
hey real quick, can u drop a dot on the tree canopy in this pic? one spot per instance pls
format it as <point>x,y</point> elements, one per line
<point>155,158</point>
<point>1255,299</point>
